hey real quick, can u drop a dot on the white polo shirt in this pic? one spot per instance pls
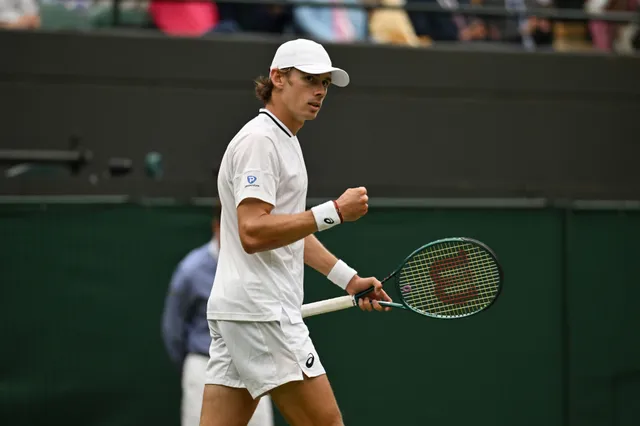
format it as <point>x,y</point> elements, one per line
<point>263,161</point>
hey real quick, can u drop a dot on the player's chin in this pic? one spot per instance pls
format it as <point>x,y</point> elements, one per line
<point>311,112</point>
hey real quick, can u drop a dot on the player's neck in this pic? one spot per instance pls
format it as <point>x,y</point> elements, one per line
<point>285,117</point>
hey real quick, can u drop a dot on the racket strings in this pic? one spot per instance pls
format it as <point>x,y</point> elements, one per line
<point>430,304</point>
<point>451,279</point>
<point>417,274</point>
<point>451,294</point>
<point>448,289</point>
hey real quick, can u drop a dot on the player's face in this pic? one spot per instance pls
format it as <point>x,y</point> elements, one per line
<point>304,94</point>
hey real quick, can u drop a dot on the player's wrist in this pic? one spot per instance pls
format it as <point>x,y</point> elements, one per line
<point>337,207</point>
<point>349,288</point>
<point>341,274</point>
<point>327,215</point>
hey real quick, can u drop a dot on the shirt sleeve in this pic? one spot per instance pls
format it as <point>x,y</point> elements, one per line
<point>256,169</point>
<point>174,317</point>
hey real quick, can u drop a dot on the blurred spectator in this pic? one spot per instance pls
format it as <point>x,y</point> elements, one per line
<point>527,30</point>
<point>183,17</point>
<point>539,29</point>
<point>331,24</point>
<point>19,14</point>
<point>629,35</point>
<point>392,25</point>
<point>605,34</point>
<point>446,25</point>
<point>504,28</point>
<point>437,26</point>
<point>253,17</point>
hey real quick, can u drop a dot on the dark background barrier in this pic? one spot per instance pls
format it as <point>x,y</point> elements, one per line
<point>414,122</point>
<point>83,288</point>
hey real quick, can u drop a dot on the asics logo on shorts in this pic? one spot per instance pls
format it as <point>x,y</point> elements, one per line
<point>310,360</point>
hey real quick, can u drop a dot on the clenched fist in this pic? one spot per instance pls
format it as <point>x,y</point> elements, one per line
<point>353,204</point>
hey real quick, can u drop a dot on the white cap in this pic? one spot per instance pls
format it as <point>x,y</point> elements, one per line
<point>310,57</point>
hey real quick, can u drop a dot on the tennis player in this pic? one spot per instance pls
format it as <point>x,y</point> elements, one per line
<point>260,344</point>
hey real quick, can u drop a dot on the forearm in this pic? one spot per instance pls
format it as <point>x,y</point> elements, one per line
<point>322,260</point>
<point>317,256</point>
<point>271,231</point>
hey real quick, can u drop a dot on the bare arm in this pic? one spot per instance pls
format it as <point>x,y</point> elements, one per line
<point>317,256</point>
<point>260,230</point>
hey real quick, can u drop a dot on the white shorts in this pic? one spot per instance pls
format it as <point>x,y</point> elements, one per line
<point>260,356</point>
<point>193,372</point>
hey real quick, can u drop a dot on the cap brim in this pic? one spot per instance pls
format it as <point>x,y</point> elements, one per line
<point>339,77</point>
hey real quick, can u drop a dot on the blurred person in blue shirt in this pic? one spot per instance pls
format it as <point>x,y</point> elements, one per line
<point>331,24</point>
<point>185,330</point>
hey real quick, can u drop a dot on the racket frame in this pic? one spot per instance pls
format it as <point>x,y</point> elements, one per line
<point>405,305</point>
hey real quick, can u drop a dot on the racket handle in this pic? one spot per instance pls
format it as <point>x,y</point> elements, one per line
<point>337,304</point>
<point>329,305</point>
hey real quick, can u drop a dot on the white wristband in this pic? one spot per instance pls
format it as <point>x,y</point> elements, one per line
<point>341,274</point>
<point>326,215</point>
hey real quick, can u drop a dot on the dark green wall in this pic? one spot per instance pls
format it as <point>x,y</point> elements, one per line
<point>604,318</point>
<point>83,286</point>
<point>442,122</point>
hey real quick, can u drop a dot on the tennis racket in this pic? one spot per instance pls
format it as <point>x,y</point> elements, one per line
<point>447,279</point>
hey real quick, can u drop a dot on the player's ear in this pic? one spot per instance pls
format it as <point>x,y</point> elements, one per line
<point>277,78</point>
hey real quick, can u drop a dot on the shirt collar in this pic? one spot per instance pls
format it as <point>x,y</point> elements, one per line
<point>276,120</point>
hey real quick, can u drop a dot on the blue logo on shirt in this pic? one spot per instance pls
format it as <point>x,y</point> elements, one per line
<point>251,179</point>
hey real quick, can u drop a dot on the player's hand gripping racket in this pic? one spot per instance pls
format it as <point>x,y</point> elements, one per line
<point>448,278</point>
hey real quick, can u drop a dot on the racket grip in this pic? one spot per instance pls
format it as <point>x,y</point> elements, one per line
<point>329,305</point>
